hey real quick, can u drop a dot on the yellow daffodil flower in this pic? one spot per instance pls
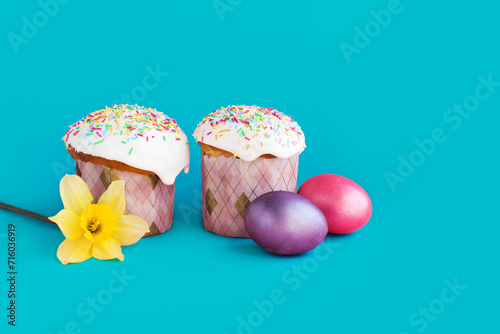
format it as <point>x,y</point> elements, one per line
<point>97,230</point>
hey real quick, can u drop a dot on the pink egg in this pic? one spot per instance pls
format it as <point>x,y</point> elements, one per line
<point>344,203</point>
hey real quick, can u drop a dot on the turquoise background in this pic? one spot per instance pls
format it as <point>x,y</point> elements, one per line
<point>359,117</point>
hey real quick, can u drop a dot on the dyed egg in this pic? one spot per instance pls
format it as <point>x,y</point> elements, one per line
<point>285,223</point>
<point>344,203</point>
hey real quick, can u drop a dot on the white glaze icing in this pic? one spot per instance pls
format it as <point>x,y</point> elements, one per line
<point>140,137</point>
<point>250,132</point>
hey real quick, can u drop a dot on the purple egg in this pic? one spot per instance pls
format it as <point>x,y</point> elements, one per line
<point>285,223</point>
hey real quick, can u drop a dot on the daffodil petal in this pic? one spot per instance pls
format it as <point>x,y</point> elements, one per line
<point>75,194</point>
<point>114,197</point>
<point>72,251</point>
<point>129,229</point>
<point>69,223</point>
<point>107,249</point>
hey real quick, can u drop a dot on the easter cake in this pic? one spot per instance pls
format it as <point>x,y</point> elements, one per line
<point>247,151</point>
<point>139,145</point>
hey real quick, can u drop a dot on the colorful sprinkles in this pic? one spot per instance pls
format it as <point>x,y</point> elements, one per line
<point>130,121</point>
<point>253,125</point>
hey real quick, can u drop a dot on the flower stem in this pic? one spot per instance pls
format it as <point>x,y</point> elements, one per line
<point>25,212</point>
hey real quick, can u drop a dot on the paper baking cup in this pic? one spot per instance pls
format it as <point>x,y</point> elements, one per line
<point>146,196</point>
<point>229,185</point>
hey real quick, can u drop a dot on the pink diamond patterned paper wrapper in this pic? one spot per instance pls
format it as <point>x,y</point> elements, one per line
<point>146,195</point>
<point>229,185</point>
